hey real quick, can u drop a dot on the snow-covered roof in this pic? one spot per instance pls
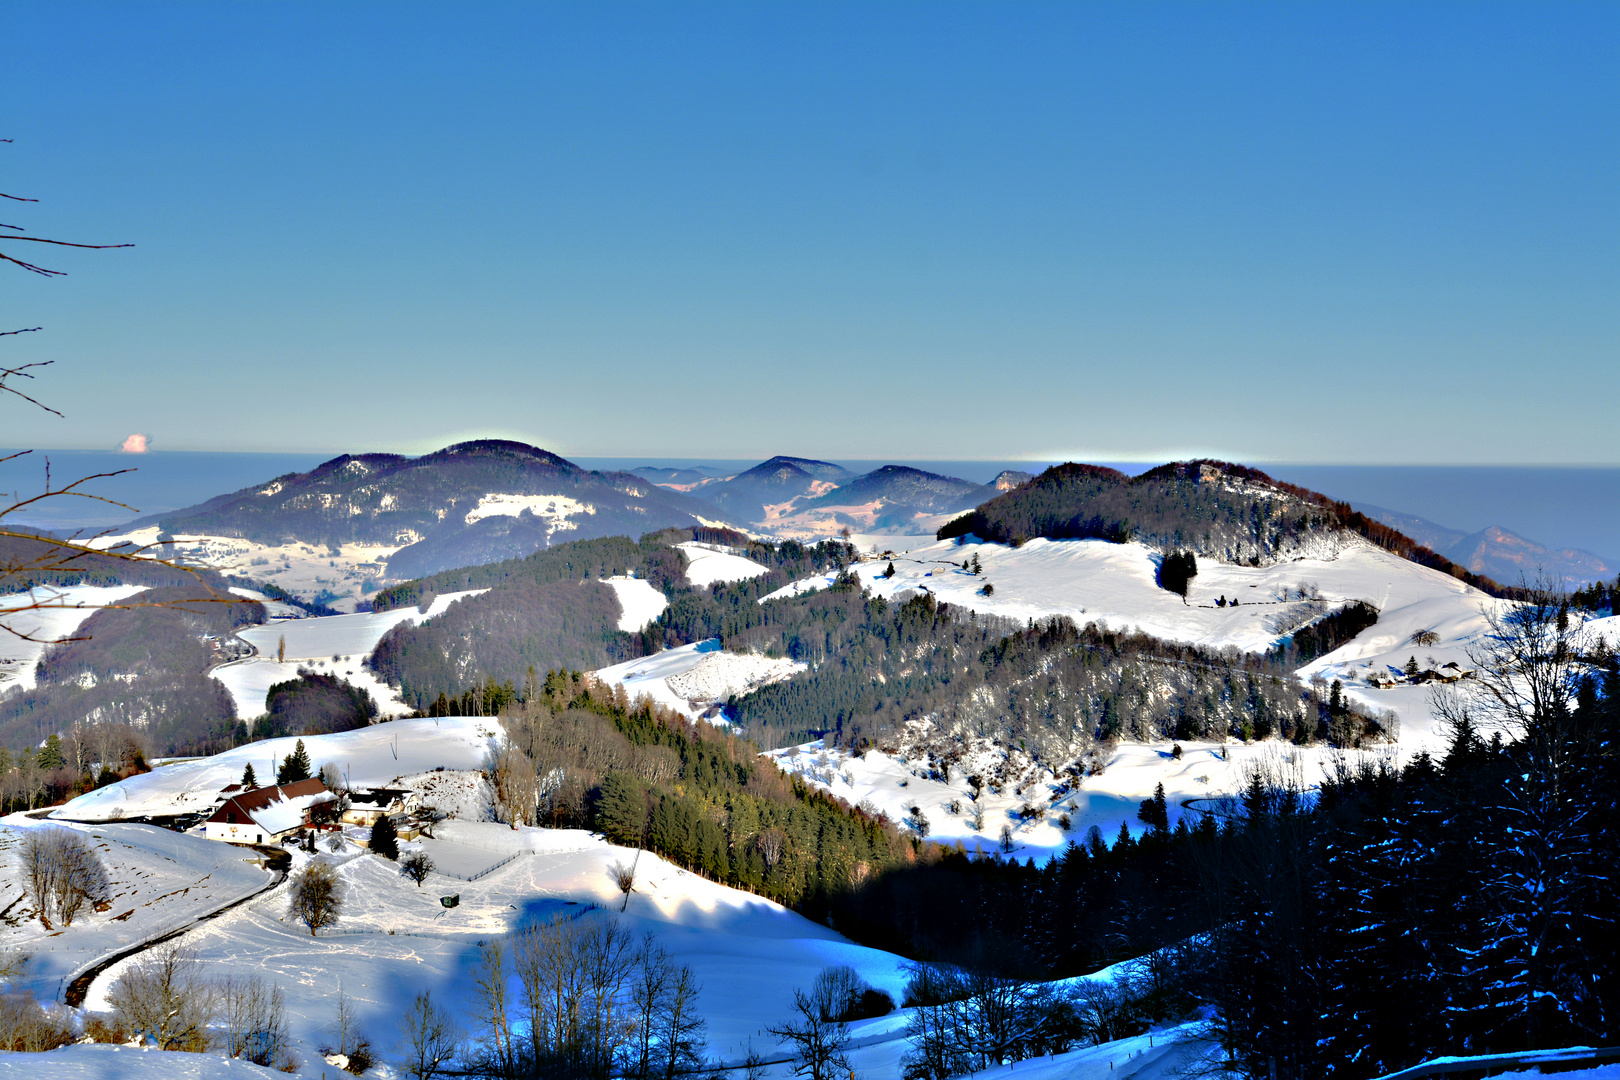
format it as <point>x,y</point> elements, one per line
<point>275,809</point>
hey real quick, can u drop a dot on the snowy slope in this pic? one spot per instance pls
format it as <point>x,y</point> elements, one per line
<point>1114,584</point>
<point>1095,581</point>
<point>303,569</point>
<point>641,602</point>
<point>331,645</point>
<point>396,939</point>
<point>694,677</point>
<point>96,1062</point>
<point>160,881</point>
<point>61,613</point>
<point>709,563</point>
<point>369,756</point>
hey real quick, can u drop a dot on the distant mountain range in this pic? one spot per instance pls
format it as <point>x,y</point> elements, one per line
<point>1497,553</point>
<point>792,496</point>
<point>471,503</point>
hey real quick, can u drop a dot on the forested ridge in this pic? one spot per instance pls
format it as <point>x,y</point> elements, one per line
<point>1214,508</point>
<point>551,610</point>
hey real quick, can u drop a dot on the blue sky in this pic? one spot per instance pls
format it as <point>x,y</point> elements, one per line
<point>1364,233</point>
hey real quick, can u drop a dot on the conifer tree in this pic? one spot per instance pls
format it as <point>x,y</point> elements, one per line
<point>249,781</point>
<point>50,755</point>
<point>385,838</point>
<point>295,766</point>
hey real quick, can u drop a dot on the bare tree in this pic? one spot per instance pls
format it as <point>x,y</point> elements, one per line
<point>317,896</point>
<point>349,1042</point>
<point>253,1015</point>
<point>416,866</point>
<point>12,962</point>
<point>517,792</point>
<point>820,1046</point>
<point>624,876</point>
<point>432,1037</point>
<point>61,872</point>
<point>166,998</point>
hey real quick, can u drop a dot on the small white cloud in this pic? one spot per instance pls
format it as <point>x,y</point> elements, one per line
<point>135,444</point>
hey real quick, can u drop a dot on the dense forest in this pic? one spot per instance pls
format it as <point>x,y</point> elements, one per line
<point>1212,508</point>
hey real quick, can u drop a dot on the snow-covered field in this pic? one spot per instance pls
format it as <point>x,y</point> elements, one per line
<point>160,881</point>
<point>331,645</point>
<point>694,677</point>
<point>641,603</point>
<point>709,563</point>
<point>369,756</point>
<point>61,612</point>
<point>395,939</point>
<point>305,570</point>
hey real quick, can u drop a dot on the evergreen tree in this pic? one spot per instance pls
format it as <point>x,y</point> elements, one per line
<point>889,572</point>
<point>1411,667</point>
<point>249,781</point>
<point>295,766</point>
<point>50,755</point>
<point>385,838</point>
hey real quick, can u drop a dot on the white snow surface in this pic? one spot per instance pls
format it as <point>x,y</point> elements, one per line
<point>159,881</point>
<point>395,939</point>
<point>93,1061</point>
<point>62,611</point>
<point>1203,779</point>
<point>306,570</point>
<point>555,510</point>
<point>371,756</point>
<point>639,601</point>
<point>709,563</point>
<point>312,643</point>
<point>694,677</point>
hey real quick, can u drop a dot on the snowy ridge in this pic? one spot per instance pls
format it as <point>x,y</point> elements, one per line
<point>63,610</point>
<point>693,678</point>
<point>378,755</point>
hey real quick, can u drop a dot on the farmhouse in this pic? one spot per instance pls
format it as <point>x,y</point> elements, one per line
<point>266,815</point>
<point>365,807</point>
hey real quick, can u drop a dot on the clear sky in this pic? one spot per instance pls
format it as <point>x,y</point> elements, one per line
<point>1302,232</point>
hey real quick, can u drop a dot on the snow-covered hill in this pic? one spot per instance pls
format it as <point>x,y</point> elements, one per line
<point>1114,584</point>
<point>24,634</point>
<point>331,645</point>
<point>376,755</point>
<point>158,881</point>
<point>694,678</point>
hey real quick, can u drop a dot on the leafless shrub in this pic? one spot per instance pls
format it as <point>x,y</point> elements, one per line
<point>28,1027</point>
<point>61,872</point>
<point>166,998</point>
<point>254,1017</point>
<point>624,876</point>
